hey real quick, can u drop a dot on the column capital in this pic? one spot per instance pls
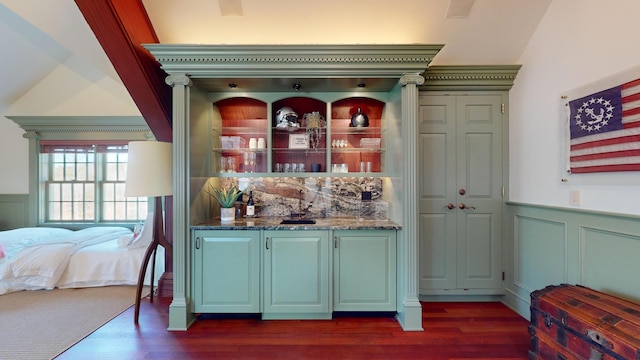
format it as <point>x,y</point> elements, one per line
<point>31,134</point>
<point>415,79</point>
<point>182,79</point>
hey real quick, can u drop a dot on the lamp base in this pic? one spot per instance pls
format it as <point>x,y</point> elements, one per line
<point>158,240</point>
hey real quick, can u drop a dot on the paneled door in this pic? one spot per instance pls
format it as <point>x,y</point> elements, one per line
<point>461,193</point>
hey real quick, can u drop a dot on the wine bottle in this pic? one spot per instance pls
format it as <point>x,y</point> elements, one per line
<point>251,206</point>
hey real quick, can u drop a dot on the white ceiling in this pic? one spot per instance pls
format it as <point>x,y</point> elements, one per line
<point>39,36</point>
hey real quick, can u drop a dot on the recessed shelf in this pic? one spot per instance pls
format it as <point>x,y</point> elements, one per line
<point>248,118</point>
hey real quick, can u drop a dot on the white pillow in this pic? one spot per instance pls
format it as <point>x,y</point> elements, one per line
<point>146,235</point>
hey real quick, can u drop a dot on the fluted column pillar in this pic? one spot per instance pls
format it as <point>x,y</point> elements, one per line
<point>180,317</point>
<point>410,316</point>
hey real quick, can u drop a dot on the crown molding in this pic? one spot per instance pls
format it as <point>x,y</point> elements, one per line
<point>470,77</point>
<point>40,126</point>
<point>300,61</point>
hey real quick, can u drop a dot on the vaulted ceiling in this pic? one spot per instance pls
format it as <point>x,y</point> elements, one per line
<point>100,39</point>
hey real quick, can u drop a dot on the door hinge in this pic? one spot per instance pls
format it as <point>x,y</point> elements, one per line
<point>502,191</point>
<point>502,108</point>
<point>503,276</point>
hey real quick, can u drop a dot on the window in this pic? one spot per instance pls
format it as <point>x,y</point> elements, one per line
<point>84,182</point>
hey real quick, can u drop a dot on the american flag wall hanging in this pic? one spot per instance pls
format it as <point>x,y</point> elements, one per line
<point>604,129</point>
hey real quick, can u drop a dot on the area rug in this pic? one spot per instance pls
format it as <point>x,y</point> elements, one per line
<point>42,324</point>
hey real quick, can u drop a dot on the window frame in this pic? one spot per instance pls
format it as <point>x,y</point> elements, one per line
<point>60,129</point>
<point>69,168</point>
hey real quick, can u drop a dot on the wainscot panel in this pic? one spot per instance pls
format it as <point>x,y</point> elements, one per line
<point>14,211</point>
<point>548,246</point>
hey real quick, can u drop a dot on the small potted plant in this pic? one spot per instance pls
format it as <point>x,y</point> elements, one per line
<point>227,198</point>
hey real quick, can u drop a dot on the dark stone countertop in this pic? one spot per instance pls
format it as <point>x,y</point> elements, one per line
<point>273,223</point>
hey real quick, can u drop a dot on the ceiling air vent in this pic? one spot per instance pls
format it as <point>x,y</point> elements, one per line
<point>459,9</point>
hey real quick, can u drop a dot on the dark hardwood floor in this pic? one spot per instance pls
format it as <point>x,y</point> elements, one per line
<point>451,331</point>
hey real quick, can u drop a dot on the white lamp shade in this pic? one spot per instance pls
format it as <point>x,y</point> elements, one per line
<point>149,169</point>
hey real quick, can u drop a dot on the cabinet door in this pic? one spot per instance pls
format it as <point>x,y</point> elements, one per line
<point>226,271</point>
<point>296,274</point>
<point>364,270</point>
<point>460,153</point>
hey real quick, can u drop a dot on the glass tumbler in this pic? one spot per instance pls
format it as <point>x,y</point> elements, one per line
<point>231,164</point>
<point>223,164</point>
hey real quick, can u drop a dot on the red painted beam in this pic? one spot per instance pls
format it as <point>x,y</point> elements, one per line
<point>121,27</point>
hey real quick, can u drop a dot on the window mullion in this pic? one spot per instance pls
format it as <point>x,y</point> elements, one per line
<point>100,163</point>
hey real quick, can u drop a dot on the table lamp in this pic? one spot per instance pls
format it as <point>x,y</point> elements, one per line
<point>150,173</point>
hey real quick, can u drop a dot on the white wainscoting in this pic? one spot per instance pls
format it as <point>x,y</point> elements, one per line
<point>549,246</point>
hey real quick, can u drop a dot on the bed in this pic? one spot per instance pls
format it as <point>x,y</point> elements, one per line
<point>35,258</point>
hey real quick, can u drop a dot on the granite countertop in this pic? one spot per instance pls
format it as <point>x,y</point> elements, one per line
<point>273,223</point>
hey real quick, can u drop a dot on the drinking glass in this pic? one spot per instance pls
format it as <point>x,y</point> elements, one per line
<point>231,164</point>
<point>223,164</point>
<point>246,162</point>
<point>252,161</point>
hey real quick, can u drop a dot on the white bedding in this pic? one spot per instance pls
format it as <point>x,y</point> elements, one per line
<point>107,264</point>
<point>44,258</point>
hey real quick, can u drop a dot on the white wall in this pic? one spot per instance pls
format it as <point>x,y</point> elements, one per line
<point>577,42</point>
<point>14,159</point>
<point>65,91</point>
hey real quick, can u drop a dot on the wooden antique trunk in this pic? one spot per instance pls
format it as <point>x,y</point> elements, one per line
<point>575,322</point>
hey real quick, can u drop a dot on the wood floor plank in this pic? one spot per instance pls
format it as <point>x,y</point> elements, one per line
<point>452,331</point>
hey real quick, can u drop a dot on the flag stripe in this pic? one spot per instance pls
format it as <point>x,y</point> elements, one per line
<point>630,112</point>
<point>600,162</point>
<point>606,168</point>
<point>607,155</point>
<point>629,101</point>
<point>604,148</point>
<point>633,124</point>
<point>631,84</point>
<point>603,137</point>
